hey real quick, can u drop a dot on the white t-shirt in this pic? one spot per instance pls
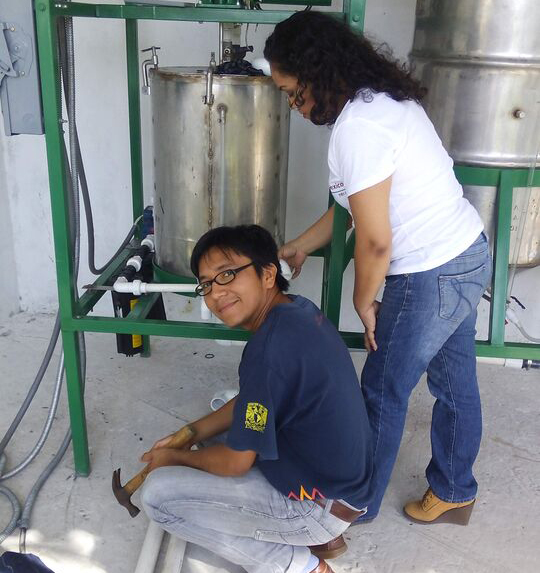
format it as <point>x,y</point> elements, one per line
<point>431,220</point>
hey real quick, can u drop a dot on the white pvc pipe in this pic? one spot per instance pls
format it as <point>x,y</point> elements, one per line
<point>508,362</point>
<point>150,549</point>
<point>148,241</point>
<point>165,287</point>
<point>174,557</point>
<point>135,262</point>
<point>137,287</point>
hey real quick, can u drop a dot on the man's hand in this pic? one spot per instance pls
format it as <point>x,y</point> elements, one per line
<point>293,256</point>
<point>218,460</point>
<point>164,442</point>
<point>369,319</point>
<point>156,458</point>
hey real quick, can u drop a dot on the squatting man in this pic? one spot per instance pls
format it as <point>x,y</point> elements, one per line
<point>293,470</point>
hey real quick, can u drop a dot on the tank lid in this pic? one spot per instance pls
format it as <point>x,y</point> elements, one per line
<point>196,73</point>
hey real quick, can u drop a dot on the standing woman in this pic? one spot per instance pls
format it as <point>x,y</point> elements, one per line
<point>414,231</point>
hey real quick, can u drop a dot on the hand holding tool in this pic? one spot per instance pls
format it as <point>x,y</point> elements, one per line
<point>124,493</point>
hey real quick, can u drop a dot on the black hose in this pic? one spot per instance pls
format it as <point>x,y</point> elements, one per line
<point>90,222</point>
<point>84,182</point>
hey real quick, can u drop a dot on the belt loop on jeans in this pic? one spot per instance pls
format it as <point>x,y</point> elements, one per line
<point>328,506</point>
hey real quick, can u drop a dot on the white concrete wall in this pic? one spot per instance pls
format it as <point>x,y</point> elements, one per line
<point>8,275</point>
<point>103,132</point>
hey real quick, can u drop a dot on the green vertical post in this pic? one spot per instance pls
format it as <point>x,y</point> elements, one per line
<point>50,81</point>
<point>334,262</point>
<point>349,250</point>
<point>134,106</point>
<point>501,258</point>
<point>79,437</point>
<point>335,254</point>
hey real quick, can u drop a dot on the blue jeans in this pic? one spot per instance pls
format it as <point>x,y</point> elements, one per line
<point>426,323</point>
<point>243,519</point>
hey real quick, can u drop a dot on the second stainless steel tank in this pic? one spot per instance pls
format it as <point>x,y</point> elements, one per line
<point>218,164</point>
<point>480,61</point>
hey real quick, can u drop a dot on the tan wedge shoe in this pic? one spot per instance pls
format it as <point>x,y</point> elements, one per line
<point>431,509</point>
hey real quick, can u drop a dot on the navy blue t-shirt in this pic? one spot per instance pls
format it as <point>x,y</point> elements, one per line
<point>301,409</point>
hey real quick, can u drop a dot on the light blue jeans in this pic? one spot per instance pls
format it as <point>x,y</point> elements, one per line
<point>426,323</point>
<point>243,519</point>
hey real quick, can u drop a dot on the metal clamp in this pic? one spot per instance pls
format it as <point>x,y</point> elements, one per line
<point>152,62</point>
<point>208,99</point>
<point>222,113</point>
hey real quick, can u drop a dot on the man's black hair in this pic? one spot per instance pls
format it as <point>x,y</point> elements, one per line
<point>252,241</point>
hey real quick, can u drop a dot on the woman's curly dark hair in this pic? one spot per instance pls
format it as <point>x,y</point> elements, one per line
<point>336,63</point>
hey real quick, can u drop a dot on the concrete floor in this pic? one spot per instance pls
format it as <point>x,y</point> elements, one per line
<point>78,526</point>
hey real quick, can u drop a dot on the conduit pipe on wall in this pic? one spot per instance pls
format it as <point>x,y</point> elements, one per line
<point>508,362</point>
<point>512,317</point>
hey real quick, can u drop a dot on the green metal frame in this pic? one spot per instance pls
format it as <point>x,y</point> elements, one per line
<point>339,253</point>
<point>74,312</point>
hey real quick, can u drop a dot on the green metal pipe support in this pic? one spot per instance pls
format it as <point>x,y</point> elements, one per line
<point>50,89</point>
<point>500,260</point>
<point>134,107</point>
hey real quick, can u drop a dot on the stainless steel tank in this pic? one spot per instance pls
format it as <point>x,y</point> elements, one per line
<point>218,164</point>
<point>480,61</point>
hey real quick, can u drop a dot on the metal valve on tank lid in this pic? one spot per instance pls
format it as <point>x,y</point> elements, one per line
<point>152,62</point>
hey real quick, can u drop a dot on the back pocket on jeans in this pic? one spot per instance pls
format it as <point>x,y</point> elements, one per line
<point>300,536</point>
<point>460,294</point>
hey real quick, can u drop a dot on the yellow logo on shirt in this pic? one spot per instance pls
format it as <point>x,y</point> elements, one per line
<point>256,415</point>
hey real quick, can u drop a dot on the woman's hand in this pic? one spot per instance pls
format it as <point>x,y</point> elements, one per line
<point>294,256</point>
<point>369,319</point>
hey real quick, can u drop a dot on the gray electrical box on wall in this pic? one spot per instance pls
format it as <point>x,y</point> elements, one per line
<point>20,93</point>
